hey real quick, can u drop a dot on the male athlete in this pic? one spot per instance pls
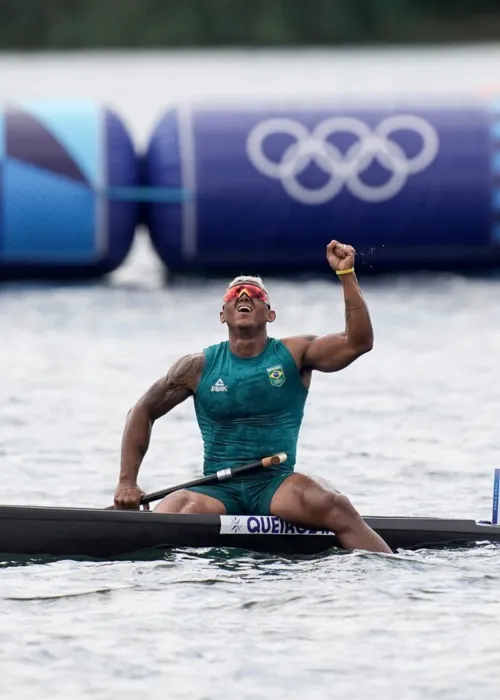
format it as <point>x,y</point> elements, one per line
<point>249,395</point>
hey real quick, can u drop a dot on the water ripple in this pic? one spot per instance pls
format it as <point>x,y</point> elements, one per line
<point>412,434</point>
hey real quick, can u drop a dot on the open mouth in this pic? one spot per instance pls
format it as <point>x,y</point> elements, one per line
<point>244,308</point>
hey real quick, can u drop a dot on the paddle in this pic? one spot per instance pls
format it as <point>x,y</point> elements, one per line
<point>221,475</point>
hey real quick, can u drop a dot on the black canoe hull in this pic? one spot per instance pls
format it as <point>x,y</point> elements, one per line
<point>107,534</point>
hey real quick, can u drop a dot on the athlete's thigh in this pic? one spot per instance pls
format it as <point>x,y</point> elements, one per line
<point>301,499</point>
<point>185,501</point>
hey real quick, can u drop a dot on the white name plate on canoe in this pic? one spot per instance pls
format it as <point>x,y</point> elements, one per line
<point>263,525</point>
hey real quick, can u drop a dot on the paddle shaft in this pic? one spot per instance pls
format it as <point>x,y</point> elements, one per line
<point>221,475</point>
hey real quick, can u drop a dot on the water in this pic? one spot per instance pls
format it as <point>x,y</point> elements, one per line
<point>409,429</point>
<point>215,625</point>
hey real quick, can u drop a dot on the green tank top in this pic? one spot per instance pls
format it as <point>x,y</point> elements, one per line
<point>248,408</point>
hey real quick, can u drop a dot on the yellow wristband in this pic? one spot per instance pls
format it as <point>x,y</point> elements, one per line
<point>344,272</point>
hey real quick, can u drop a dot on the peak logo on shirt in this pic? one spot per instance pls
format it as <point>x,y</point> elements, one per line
<point>276,375</point>
<point>219,386</point>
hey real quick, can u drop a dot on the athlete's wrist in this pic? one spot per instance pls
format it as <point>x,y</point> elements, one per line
<point>345,273</point>
<point>350,284</point>
<point>127,480</point>
<point>349,279</point>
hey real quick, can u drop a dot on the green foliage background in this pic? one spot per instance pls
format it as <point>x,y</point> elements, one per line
<point>97,24</point>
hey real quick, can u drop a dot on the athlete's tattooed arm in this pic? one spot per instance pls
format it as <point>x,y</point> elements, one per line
<point>332,352</point>
<point>166,393</point>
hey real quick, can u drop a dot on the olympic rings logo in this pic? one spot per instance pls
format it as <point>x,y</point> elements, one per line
<point>343,169</point>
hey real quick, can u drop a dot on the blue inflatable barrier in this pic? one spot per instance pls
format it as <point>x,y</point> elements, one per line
<point>59,164</point>
<point>265,189</point>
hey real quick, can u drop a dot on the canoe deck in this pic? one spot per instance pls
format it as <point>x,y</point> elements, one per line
<point>107,534</point>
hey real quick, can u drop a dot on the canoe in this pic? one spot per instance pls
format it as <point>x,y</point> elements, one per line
<point>107,534</point>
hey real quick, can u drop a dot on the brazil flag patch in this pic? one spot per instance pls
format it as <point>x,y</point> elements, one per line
<point>276,375</point>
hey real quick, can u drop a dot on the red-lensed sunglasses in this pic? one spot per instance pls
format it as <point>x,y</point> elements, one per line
<point>251,290</point>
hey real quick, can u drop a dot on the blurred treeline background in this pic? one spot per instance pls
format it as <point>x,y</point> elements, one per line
<point>115,24</point>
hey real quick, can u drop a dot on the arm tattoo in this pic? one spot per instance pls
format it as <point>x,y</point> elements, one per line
<point>185,372</point>
<point>179,383</point>
<point>349,310</point>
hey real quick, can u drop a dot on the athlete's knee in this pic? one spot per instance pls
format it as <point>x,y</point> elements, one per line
<point>178,502</point>
<point>188,501</point>
<point>338,512</point>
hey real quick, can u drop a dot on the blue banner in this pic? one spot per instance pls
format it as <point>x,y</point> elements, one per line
<point>271,186</point>
<point>59,164</point>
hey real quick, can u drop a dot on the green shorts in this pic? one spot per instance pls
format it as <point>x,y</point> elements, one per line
<point>250,494</point>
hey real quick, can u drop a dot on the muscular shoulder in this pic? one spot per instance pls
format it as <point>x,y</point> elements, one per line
<point>186,371</point>
<point>175,387</point>
<point>297,345</point>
